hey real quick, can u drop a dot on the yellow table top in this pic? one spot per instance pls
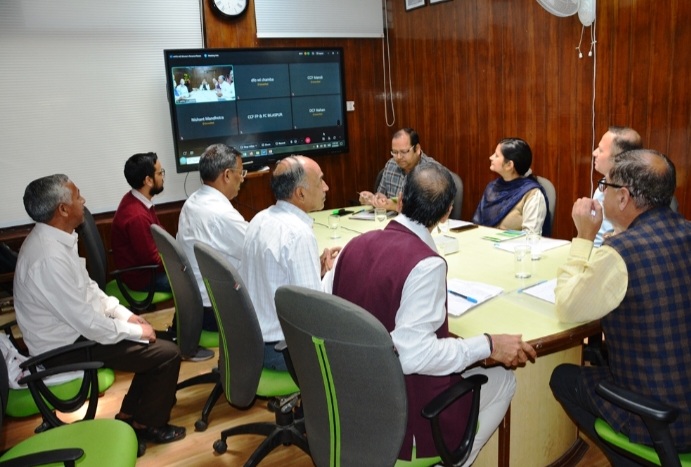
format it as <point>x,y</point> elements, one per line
<point>479,260</point>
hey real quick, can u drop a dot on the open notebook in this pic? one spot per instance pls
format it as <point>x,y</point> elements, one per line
<point>464,295</point>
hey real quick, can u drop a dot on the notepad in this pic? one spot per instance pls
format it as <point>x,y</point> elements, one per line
<point>544,244</point>
<point>369,215</point>
<point>475,293</point>
<point>456,225</point>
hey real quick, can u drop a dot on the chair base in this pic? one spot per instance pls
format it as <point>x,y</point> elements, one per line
<point>206,378</point>
<point>288,430</point>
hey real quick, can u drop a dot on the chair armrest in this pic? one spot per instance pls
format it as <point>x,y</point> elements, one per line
<point>38,359</point>
<point>437,405</point>
<point>282,346</point>
<point>137,305</point>
<point>637,403</point>
<point>64,456</point>
<point>42,374</point>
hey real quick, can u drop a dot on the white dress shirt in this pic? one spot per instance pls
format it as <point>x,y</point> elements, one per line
<point>280,249</point>
<point>606,226</point>
<point>208,217</point>
<point>55,300</point>
<point>421,312</point>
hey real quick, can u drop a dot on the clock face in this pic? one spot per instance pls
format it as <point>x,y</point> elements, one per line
<point>230,7</point>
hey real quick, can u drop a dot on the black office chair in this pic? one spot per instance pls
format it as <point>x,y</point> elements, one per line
<point>377,180</point>
<point>241,354</point>
<point>97,265</point>
<point>458,200</point>
<point>352,385</point>
<point>189,313</point>
<point>551,199</point>
<point>657,417</point>
<point>90,443</point>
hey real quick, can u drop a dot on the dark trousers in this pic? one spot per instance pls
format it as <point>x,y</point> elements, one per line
<point>156,368</point>
<point>569,389</point>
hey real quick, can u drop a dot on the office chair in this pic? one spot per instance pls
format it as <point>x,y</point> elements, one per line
<point>241,354</point>
<point>97,265</point>
<point>657,417</point>
<point>65,397</point>
<point>191,338</point>
<point>100,443</point>
<point>377,180</point>
<point>458,200</point>
<point>352,384</point>
<point>551,199</point>
<point>674,205</point>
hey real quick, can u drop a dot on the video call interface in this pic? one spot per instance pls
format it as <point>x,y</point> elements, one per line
<point>290,102</point>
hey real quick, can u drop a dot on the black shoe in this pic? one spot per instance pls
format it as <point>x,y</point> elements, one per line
<point>201,355</point>
<point>162,434</point>
<point>141,444</point>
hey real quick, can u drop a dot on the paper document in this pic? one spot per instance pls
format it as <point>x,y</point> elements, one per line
<point>463,295</point>
<point>542,289</point>
<point>504,235</point>
<point>544,244</point>
<point>368,215</point>
<point>456,225</point>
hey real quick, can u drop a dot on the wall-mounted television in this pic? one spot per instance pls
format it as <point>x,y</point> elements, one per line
<point>267,103</point>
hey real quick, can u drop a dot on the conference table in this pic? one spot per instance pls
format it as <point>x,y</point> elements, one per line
<point>535,431</point>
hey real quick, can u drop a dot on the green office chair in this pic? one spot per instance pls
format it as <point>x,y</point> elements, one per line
<point>657,417</point>
<point>99,443</point>
<point>241,354</point>
<point>64,396</point>
<point>352,385</point>
<point>136,301</point>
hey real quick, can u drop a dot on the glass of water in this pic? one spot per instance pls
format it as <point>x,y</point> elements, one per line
<point>533,240</point>
<point>380,215</point>
<point>335,225</point>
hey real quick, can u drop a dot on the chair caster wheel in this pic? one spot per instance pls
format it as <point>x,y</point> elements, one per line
<point>220,446</point>
<point>200,425</point>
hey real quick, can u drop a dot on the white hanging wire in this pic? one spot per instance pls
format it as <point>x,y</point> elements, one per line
<point>593,53</point>
<point>386,65</point>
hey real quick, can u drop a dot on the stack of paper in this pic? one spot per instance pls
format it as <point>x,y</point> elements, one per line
<point>542,289</point>
<point>544,244</point>
<point>463,295</point>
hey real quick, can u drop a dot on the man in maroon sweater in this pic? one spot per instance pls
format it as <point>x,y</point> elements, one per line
<point>131,239</point>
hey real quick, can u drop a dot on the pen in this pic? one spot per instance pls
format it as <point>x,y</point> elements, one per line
<point>470,299</point>
<point>529,286</point>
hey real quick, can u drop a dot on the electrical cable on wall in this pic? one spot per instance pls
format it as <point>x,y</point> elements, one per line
<point>386,64</point>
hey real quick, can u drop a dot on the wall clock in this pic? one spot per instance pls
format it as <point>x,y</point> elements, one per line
<point>229,8</point>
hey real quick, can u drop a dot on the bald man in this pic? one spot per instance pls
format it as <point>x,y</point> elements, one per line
<point>280,247</point>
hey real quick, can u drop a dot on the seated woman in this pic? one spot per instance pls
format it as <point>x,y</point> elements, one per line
<point>515,200</point>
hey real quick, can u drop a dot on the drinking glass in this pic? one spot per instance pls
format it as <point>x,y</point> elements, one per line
<point>521,261</point>
<point>380,215</point>
<point>334,225</point>
<point>533,239</point>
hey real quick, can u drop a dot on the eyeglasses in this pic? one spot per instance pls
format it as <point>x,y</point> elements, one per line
<point>603,184</point>
<point>162,173</point>
<point>402,152</point>
<point>243,172</point>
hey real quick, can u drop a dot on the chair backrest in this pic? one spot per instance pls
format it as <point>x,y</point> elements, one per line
<point>674,205</point>
<point>95,250</point>
<point>377,180</point>
<point>189,308</point>
<point>351,382</point>
<point>241,346</point>
<point>458,201</point>
<point>551,198</point>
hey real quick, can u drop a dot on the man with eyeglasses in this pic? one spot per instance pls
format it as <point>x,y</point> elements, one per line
<point>131,239</point>
<point>637,284</point>
<point>406,154</point>
<point>616,140</point>
<point>209,217</point>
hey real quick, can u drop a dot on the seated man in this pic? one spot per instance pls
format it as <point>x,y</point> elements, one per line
<point>57,304</point>
<point>646,338</point>
<point>280,247</point>
<point>406,153</point>
<point>131,238</point>
<point>616,140</point>
<point>208,217</point>
<point>407,293</point>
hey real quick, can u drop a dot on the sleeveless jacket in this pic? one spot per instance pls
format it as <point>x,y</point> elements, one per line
<point>371,272</point>
<point>648,335</point>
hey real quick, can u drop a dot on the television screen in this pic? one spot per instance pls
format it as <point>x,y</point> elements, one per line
<point>267,103</point>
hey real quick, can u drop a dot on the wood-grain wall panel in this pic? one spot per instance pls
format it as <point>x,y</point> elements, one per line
<point>467,73</point>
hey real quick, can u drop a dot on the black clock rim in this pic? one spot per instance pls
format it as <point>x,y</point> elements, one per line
<point>218,11</point>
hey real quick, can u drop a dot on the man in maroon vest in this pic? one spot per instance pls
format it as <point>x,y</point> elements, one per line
<point>398,276</point>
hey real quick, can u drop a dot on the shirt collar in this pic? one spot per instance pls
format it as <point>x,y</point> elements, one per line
<point>67,239</point>
<point>291,208</point>
<point>418,229</point>
<point>147,202</point>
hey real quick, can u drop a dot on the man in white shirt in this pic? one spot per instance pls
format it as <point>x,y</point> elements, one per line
<point>57,304</point>
<point>407,293</point>
<point>280,247</point>
<point>616,140</point>
<point>227,90</point>
<point>208,216</point>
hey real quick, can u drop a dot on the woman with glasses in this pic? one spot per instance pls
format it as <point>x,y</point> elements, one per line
<point>515,200</point>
